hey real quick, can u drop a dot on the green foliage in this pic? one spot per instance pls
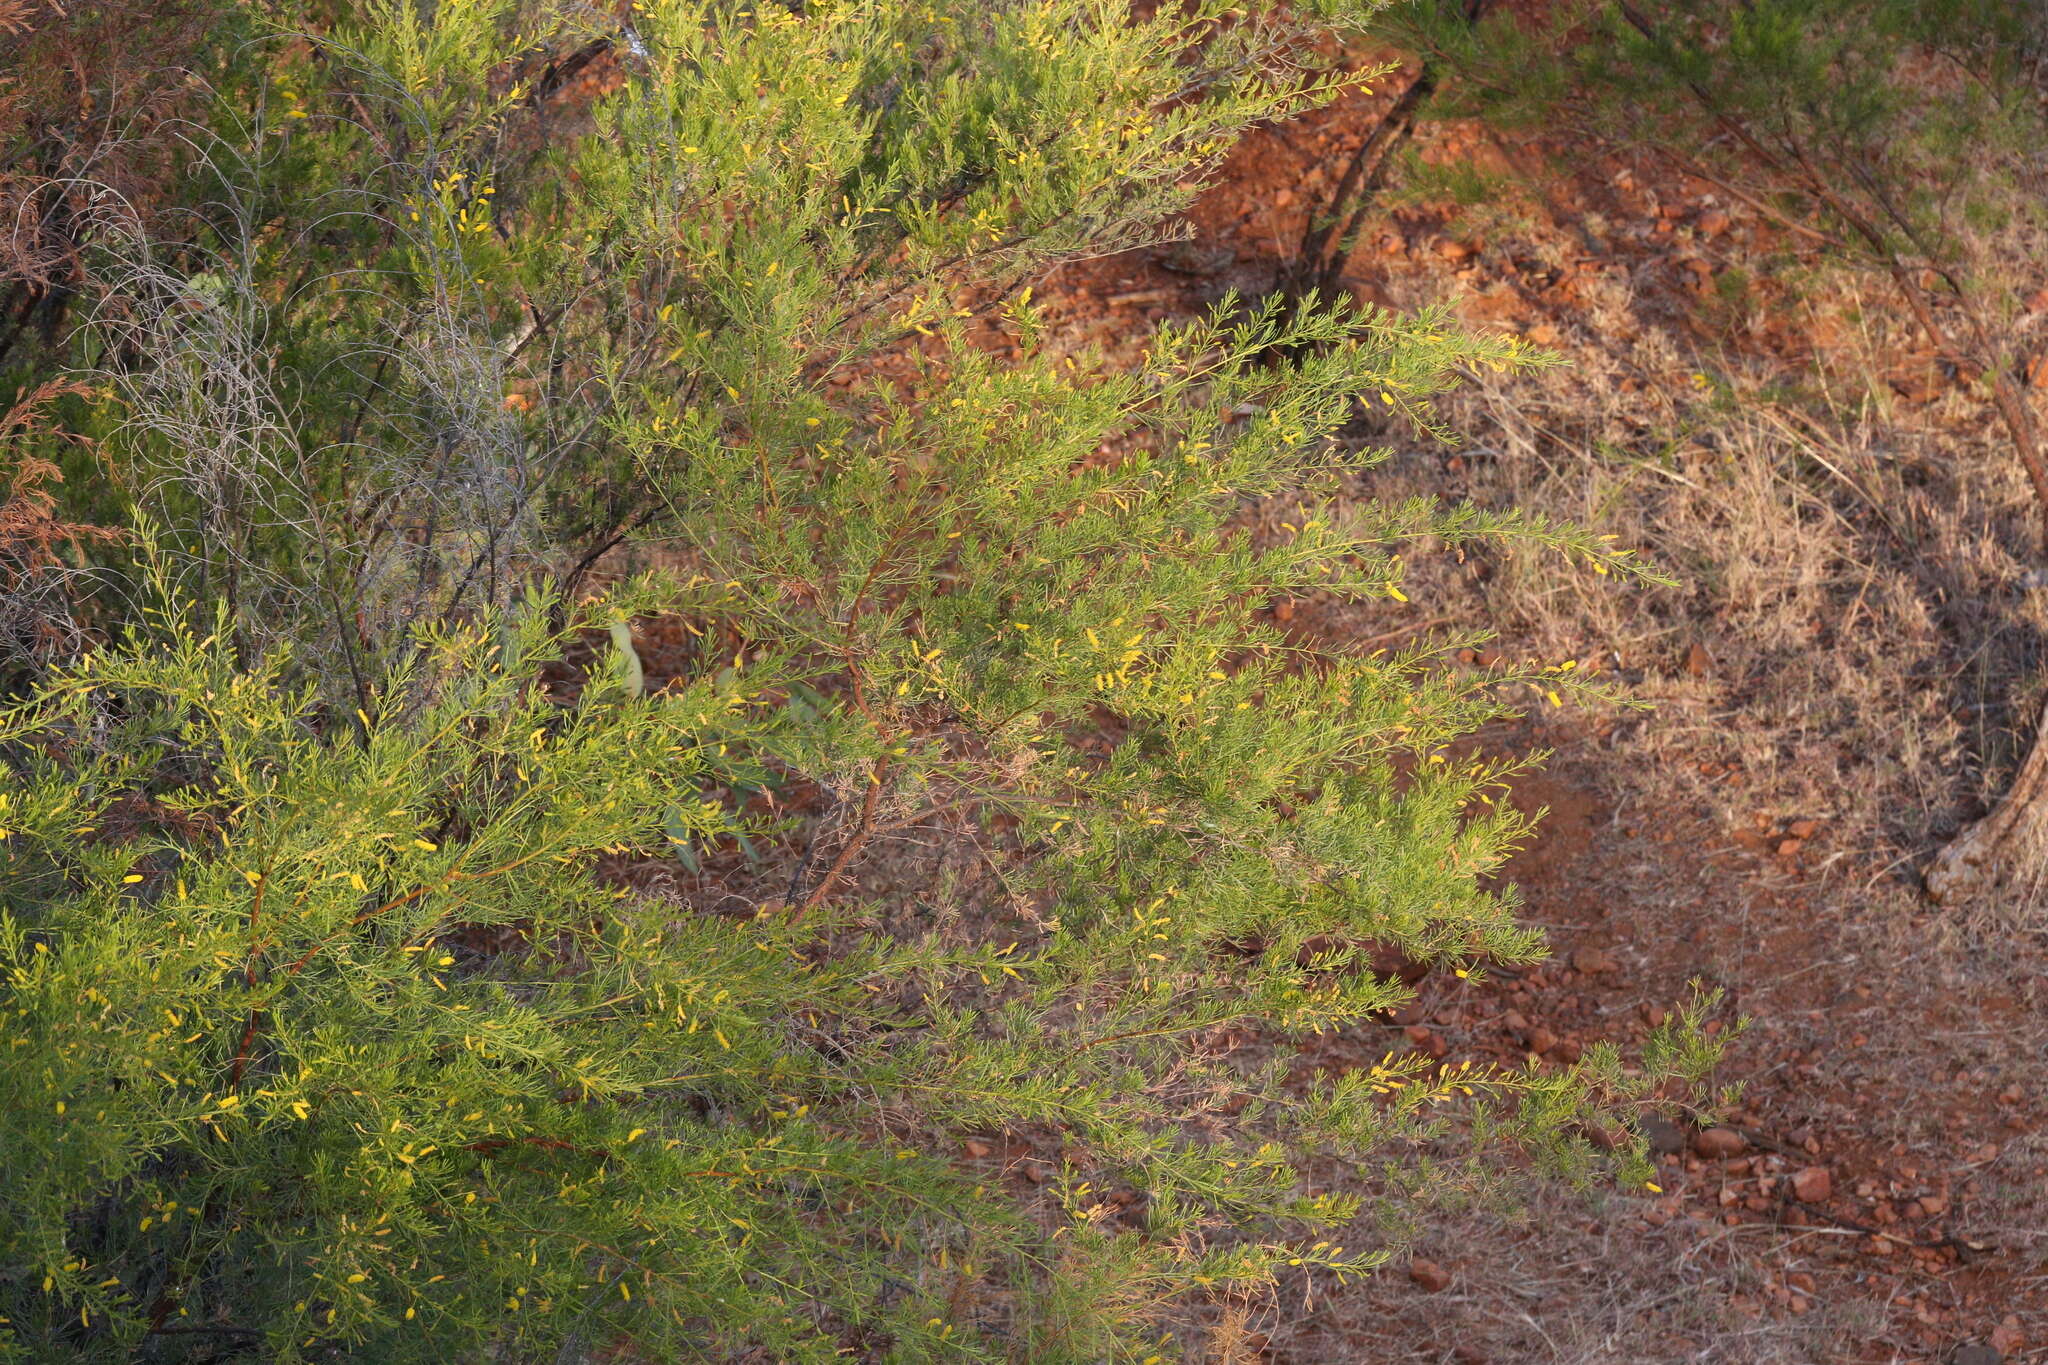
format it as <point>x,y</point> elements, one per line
<point>332,1031</point>
<point>249,1005</point>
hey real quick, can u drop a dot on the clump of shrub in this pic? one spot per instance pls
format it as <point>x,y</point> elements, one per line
<point>331,1031</point>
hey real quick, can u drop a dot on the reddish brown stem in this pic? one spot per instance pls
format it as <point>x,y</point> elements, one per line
<point>249,976</point>
<point>863,829</point>
<point>486,1146</point>
<point>864,824</point>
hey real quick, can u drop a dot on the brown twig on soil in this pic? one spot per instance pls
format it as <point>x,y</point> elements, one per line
<point>1758,1138</point>
<point>1948,1241</point>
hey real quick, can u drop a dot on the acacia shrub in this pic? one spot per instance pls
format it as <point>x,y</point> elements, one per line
<point>330,1035</point>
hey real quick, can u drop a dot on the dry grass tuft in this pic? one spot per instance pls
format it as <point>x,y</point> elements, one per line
<point>1860,635</point>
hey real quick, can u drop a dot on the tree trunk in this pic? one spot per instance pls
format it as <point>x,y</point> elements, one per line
<point>2013,839</point>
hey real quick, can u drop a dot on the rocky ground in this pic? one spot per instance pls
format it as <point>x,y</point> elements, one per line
<point>1834,697</point>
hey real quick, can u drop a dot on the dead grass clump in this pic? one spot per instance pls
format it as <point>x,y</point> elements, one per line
<point>36,617</point>
<point>1858,633</point>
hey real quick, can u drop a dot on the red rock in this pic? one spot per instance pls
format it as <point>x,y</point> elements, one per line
<point>2007,1335</point>
<point>1803,829</point>
<point>1713,223</point>
<point>1429,1276</point>
<point>976,1148</point>
<point>1717,1144</point>
<point>1789,847</point>
<point>1594,961</point>
<point>1541,1039</point>
<point>1813,1185</point>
